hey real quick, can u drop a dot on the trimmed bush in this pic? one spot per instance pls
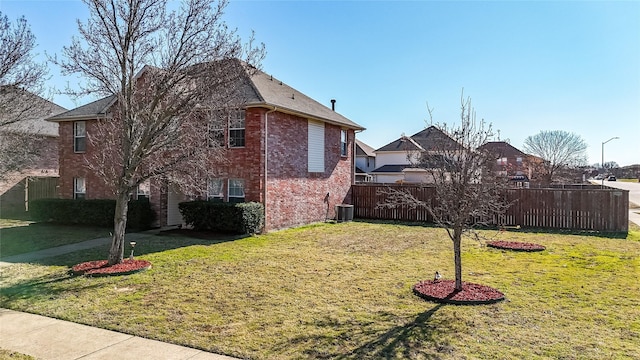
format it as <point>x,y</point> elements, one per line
<point>240,218</point>
<point>91,212</point>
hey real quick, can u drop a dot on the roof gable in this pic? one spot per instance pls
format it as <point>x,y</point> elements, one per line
<point>273,92</point>
<point>363,149</point>
<point>501,149</point>
<point>429,139</point>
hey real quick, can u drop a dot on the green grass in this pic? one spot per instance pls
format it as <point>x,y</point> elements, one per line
<point>11,355</point>
<point>21,236</point>
<point>344,291</point>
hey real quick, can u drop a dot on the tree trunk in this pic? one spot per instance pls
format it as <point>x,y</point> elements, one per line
<point>116,253</point>
<point>457,240</point>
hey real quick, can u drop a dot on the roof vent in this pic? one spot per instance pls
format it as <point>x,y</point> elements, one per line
<point>333,104</point>
<point>271,77</point>
<point>293,96</point>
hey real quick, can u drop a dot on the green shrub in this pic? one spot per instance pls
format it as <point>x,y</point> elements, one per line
<point>240,218</point>
<point>91,212</point>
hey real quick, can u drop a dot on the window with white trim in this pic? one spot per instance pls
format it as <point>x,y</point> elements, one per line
<point>79,136</point>
<point>502,161</point>
<point>315,146</point>
<point>144,190</point>
<point>343,142</point>
<point>217,124</point>
<point>215,190</point>
<point>79,188</point>
<point>236,128</point>
<point>236,190</point>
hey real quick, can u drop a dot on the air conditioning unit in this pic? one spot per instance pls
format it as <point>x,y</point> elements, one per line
<point>344,212</point>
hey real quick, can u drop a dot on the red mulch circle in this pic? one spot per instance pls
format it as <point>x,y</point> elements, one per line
<point>515,246</point>
<point>443,291</point>
<point>101,268</point>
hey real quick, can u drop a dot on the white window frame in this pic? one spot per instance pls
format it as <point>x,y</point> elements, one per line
<point>234,191</point>
<point>79,188</point>
<point>237,124</point>
<point>79,136</point>
<point>215,189</point>
<point>344,135</point>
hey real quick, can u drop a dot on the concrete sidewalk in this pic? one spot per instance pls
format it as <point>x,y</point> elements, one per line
<point>48,339</point>
<point>65,249</point>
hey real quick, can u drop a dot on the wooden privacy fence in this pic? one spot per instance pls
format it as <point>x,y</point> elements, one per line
<point>576,209</point>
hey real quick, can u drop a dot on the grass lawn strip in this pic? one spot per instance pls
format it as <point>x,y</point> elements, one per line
<point>12,355</point>
<point>345,291</point>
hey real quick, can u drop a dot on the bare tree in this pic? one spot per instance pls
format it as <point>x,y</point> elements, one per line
<point>559,149</point>
<point>21,87</point>
<point>468,193</point>
<point>166,71</point>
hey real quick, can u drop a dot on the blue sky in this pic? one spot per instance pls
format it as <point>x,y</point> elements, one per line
<point>528,66</point>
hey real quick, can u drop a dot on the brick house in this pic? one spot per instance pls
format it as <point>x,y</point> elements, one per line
<point>285,150</point>
<point>15,192</point>
<point>512,162</point>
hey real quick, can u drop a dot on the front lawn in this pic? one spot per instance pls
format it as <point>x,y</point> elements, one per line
<point>20,236</point>
<point>344,291</point>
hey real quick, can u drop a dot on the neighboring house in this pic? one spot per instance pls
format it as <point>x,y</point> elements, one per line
<point>35,133</point>
<point>285,150</point>
<point>511,162</point>
<point>365,162</point>
<point>396,161</point>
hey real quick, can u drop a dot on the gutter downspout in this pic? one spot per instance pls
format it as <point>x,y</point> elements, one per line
<point>353,160</point>
<point>266,157</point>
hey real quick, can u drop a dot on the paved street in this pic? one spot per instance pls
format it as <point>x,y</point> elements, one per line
<point>634,189</point>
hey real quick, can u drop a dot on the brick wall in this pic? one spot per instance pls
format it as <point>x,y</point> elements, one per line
<point>72,165</point>
<point>294,195</point>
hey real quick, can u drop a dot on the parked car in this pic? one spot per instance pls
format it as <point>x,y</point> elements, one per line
<point>611,178</point>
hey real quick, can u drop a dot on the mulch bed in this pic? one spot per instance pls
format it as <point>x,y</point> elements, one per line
<point>101,268</point>
<point>515,246</point>
<point>443,291</point>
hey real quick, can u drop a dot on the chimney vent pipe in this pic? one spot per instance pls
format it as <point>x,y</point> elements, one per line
<point>333,104</point>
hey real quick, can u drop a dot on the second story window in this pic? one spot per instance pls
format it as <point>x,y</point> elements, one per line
<point>79,136</point>
<point>236,128</point>
<point>217,124</point>
<point>343,142</point>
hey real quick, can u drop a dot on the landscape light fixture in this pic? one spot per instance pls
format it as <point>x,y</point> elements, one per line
<point>602,163</point>
<point>133,245</point>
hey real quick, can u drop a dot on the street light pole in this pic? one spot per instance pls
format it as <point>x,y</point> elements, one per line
<point>602,163</point>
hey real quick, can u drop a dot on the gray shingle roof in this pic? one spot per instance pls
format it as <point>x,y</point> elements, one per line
<point>43,108</point>
<point>260,90</point>
<point>273,92</point>
<point>429,139</point>
<point>91,110</point>
<point>363,149</point>
<point>501,149</point>
<point>390,168</point>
